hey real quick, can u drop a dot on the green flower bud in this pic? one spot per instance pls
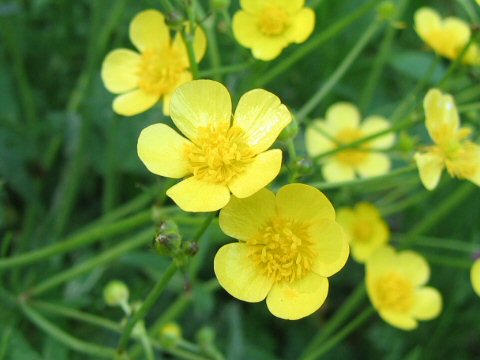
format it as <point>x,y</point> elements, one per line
<point>387,10</point>
<point>115,293</point>
<point>170,334</point>
<point>168,239</point>
<point>290,132</point>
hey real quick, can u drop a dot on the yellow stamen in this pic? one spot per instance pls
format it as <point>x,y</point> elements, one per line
<point>273,20</point>
<point>350,157</point>
<point>394,292</point>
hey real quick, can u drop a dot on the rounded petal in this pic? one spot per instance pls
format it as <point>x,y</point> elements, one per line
<point>361,251</point>
<point>185,77</point>
<point>428,303</point>
<point>304,202</point>
<point>343,115</point>
<point>119,70</point>
<point>134,102</point>
<point>262,116</point>
<point>301,26</point>
<point>316,142</point>
<point>238,275</point>
<point>199,45</point>
<point>258,174</point>
<point>200,103</point>
<point>427,21</point>
<point>413,266</point>
<point>334,171</point>
<point>199,196</point>
<point>381,261</point>
<point>242,218</point>
<point>475,276</point>
<point>373,125</point>
<point>300,298</point>
<point>148,30</point>
<point>375,164</point>
<point>399,320</point>
<point>430,167</point>
<point>331,247</point>
<point>440,112</point>
<point>458,31</point>
<point>161,149</point>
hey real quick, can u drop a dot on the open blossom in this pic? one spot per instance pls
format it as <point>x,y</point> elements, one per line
<point>145,78</point>
<point>396,287</point>
<point>219,153</point>
<point>288,245</point>
<point>447,37</point>
<point>475,276</point>
<point>366,230</point>
<point>452,150</point>
<point>268,26</point>
<point>342,126</point>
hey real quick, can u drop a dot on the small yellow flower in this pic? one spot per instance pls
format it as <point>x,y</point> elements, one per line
<point>269,26</point>
<point>395,285</point>
<point>447,37</point>
<point>288,245</point>
<point>220,154</point>
<point>365,229</point>
<point>342,126</point>
<point>475,276</point>
<point>142,79</point>
<point>461,157</point>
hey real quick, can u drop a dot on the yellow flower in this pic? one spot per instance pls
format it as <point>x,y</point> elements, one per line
<point>395,285</point>
<point>222,154</point>
<point>447,37</point>
<point>475,276</point>
<point>268,26</point>
<point>142,79</point>
<point>365,229</point>
<point>461,157</point>
<point>288,245</point>
<point>342,126</point>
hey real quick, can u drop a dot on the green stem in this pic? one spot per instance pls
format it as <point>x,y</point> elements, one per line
<point>188,36</point>
<point>199,258</point>
<point>314,43</point>
<point>109,255</point>
<point>449,261</point>
<point>339,72</point>
<point>136,204</point>
<point>65,338</point>
<point>404,204</point>
<point>145,308</point>
<point>226,69</point>
<point>446,244</point>
<point>292,153</point>
<point>169,8</point>
<point>213,52</point>
<point>469,107</point>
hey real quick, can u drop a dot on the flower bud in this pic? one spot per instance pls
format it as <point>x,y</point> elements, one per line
<point>290,132</point>
<point>115,293</point>
<point>170,334</point>
<point>167,239</point>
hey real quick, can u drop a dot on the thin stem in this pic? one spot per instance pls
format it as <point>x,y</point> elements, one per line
<point>446,244</point>
<point>204,226</point>
<point>169,8</point>
<point>449,261</point>
<point>145,308</point>
<point>404,204</point>
<point>213,51</point>
<point>188,36</point>
<point>226,69</point>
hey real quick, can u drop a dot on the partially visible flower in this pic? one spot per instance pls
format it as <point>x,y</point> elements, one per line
<point>115,293</point>
<point>475,276</point>
<point>143,79</point>
<point>447,37</point>
<point>269,26</point>
<point>219,154</point>
<point>342,126</point>
<point>289,244</point>
<point>395,285</point>
<point>365,229</point>
<point>452,150</point>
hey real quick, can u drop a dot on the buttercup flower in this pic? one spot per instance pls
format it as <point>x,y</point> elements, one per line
<point>452,150</point>
<point>395,285</point>
<point>475,276</point>
<point>288,245</point>
<point>142,79</point>
<point>366,230</point>
<point>342,126</point>
<point>268,26</point>
<point>219,154</point>
<point>447,37</point>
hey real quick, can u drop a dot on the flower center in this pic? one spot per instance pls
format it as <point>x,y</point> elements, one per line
<point>159,71</point>
<point>462,160</point>
<point>394,292</point>
<point>283,250</point>
<point>363,231</point>
<point>273,20</point>
<point>219,153</point>
<point>350,157</point>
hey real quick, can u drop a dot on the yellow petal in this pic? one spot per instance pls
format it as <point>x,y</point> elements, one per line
<point>331,247</point>
<point>148,30</point>
<point>242,218</point>
<point>441,115</point>
<point>381,261</point>
<point>262,116</point>
<point>458,32</point>
<point>343,115</point>
<point>399,320</point>
<point>373,125</point>
<point>199,46</point>
<point>304,202</point>
<point>295,300</point>
<point>200,103</point>
<point>161,149</point>
<point>430,167</point>
<point>428,303</point>
<point>256,6</point>
<point>475,276</point>
<point>185,77</point>
<point>301,26</point>
<point>134,102</point>
<point>413,266</point>
<point>427,21</point>
<point>258,174</point>
<point>315,140</point>
<point>375,164</point>
<point>335,171</point>
<point>199,196</point>
<point>238,275</point>
<point>119,70</point>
